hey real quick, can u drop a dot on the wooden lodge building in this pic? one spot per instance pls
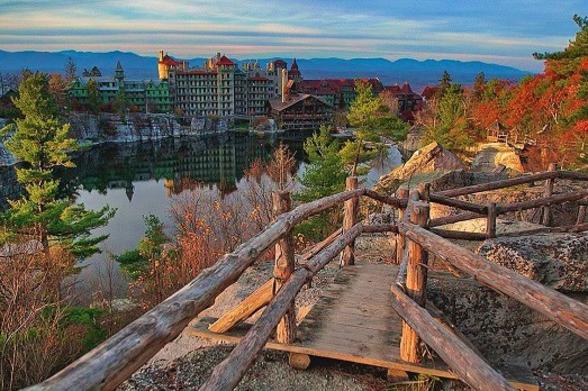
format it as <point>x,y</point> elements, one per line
<point>294,110</point>
<point>300,112</point>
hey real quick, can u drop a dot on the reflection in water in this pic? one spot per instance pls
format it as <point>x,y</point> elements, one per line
<point>139,179</point>
<point>142,178</point>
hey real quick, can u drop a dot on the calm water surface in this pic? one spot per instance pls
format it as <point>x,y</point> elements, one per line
<point>139,179</point>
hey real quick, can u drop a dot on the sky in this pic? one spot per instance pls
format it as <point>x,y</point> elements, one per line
<point>498,31</point>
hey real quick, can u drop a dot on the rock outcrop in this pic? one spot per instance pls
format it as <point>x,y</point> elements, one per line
<point>559,261</point>
<point>493,155</point>
<point>140,127</point>
<point>427,164</point>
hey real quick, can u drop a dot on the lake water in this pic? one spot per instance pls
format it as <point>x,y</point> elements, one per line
<point>139,179</point>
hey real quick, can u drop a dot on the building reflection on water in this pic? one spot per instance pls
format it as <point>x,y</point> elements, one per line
<point>181,164</point>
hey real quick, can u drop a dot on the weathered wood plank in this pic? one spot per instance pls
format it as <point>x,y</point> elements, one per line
<point>332,327</point>
<point>229,372</point>
<point>252,303</point>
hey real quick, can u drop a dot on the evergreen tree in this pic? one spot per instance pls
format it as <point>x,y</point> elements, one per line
<point>479,86</point>
<point>324,176</point>
<point>372,119</point>
<point>93,96</point>
<point>450,129</point>
<point>40,141</point>
<point>444,83</point>
<point>70,70</point>
<point>121,103</point>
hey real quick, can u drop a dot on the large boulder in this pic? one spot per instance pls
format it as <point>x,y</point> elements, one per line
<point>493,155</point>
<point>425,165</point>
<point>559,261</point>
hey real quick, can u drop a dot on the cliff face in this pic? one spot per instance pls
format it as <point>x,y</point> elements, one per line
<point>140,127</point>
<point>105,128</point>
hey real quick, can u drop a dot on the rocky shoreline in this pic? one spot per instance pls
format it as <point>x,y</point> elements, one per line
<point>90,129</point>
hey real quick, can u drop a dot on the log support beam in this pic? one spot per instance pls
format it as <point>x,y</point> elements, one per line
<point>547,192</point>
<point>284,263</point>
<point>244,309</point>
<point>416,282</point>
<point>351,210</point>
<point>491,221</point>
<point>401,194</point>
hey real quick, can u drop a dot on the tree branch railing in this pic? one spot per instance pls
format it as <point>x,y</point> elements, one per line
<point>112,362</point>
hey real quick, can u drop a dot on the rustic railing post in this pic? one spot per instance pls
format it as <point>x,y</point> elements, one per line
<point>349,220</point>
<point>401,194</point>
<point>491,221</point>
<point>547,192</point>
<point>283,268</point>
<point>416,283</point>
<point>581,215</point>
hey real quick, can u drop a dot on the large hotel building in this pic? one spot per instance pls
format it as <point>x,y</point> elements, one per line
<point>220,88</point>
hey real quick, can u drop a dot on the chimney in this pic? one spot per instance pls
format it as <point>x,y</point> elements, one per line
<point>284,85</point>
<point>161,55</point>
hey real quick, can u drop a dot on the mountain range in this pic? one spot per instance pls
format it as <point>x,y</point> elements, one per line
<point>418,73</point>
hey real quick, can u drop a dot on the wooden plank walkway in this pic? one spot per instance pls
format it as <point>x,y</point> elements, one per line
<point>353,321</point>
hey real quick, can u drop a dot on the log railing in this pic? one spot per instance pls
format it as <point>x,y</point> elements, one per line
<point>116,359</point>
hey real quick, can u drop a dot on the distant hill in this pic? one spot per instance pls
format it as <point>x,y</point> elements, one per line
<point>418,73</point>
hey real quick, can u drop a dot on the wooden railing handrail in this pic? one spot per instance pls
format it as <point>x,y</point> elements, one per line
<point>456,203</point>
<point>565,311</point>
<point>470,367</point>
<point>114,360</point>
<point>495,185</point>
<point>536,203</point>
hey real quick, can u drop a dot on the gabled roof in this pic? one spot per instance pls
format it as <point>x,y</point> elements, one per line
<point>293,98</point>
<point>170,61</point>
<point>429,92</point>
<point>224,60</point>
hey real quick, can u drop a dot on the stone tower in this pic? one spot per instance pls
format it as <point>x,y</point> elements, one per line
<point>119,73</point>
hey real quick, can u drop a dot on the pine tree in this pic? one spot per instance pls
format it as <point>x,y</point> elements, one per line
<point>93,96</point>
<point>121,103</point>
<point>444,83</point>
<point>372,119</point>
<point>479,86</point>
<point>450,130</point>
<point>324,176</point>
<point>40,141</point>
<point>70,70</point>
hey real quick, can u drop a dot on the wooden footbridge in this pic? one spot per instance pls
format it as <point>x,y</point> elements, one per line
<point>371,314</point>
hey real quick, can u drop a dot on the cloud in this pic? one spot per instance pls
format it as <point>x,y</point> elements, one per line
<point>502,31</point>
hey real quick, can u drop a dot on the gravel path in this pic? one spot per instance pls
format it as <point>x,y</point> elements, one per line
<point>270,372</point>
